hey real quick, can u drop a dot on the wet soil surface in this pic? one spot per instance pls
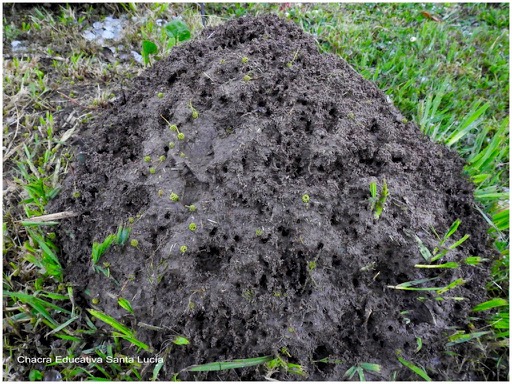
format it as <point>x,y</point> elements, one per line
<point>264,270</point>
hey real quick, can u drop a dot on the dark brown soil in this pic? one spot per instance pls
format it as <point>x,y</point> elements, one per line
<point>314,127</point>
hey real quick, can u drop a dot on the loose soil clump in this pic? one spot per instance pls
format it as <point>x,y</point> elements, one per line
<point>266,120</point>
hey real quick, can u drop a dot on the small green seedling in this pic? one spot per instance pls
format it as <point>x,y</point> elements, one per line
<point>125,304</point>
<point>121,330</point>
<point>160,192</point>
<point>247,78</point>
<point>191,208</point>
<point>290,63</point>
<point>377,203</point>
<point>174,197</point>
<point>181,136</point>
<point>177,30</point>
<point>95,301</point>
<point>192,227</point>
<point>312,265</point>
<point>148,48</point>
<point>76,194</point>
<point>162,158</point>
<point>152,170</point>
<point>360,369</point>
<point>173,128</point>
<point>134,243</point>
<point>413,367</point>
<point>441,250</point>
<point>160,95</point>
<point>172,145</point>
<point>123,233</point>
<point>305,198</point>
<point>183,249</point>
<point>182,155</point>
<point>99,249</point>
<point>259,232</point>
<point>147,159</point>
<point>180,340</point>
<point>194,113</point>
<point>245,60</point>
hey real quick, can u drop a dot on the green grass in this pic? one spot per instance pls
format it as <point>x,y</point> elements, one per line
<point>450,77</point>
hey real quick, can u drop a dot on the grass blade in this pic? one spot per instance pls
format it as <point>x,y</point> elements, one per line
<point>125,304</point>
<point>494,303</point>
<point>467,124</point>
<point>413,367</point>
<point>220,366</point>
<point>123,329</point>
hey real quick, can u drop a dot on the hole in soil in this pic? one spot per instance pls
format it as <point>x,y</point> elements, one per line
<point>211,260</point>
<point>320,246</point>
<point>263,282</point>
<point>355,282</point>
<point>401,278</point>
<point>284,231</point>
<point>236,238</point>
<point>213,232</point>
<point>374,127</point>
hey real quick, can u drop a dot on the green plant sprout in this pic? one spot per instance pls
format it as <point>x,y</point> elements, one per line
<point>305,198</point>
<point>441,250</point>
<point>181,136</point>
<point>247,78</point>
<point>192,227</point>
<point>183,249</point>
<point>360,369</point>
<point>148,48</point>
<point>125,304</point>
<point>280,362</point>
<point>259,232</point>
<point>160,192</point>
<point>123,233</point>
<point>245,60</point>
<point>162,158</point>
<point>172,145</point>
<point>147,159</point>
<point>174,197</point>
<point>180,340</point>
<point>152,170</point>
<point>191,208</point>
<point>377,203</point>
<point>290,63</point>
<point>172,127</point>
<point>194,113</point>
<point>233,364</point>
<point>413,367</point>
<point>134,243</point>
<point>76,194</point>
<point>99,249</point>
<point>160,95</point>
<point>122,330</point>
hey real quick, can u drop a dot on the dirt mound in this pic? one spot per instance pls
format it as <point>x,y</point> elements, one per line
<point>266,120</point>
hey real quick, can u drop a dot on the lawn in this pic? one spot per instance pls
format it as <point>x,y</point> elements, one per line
<point>445,66</point>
